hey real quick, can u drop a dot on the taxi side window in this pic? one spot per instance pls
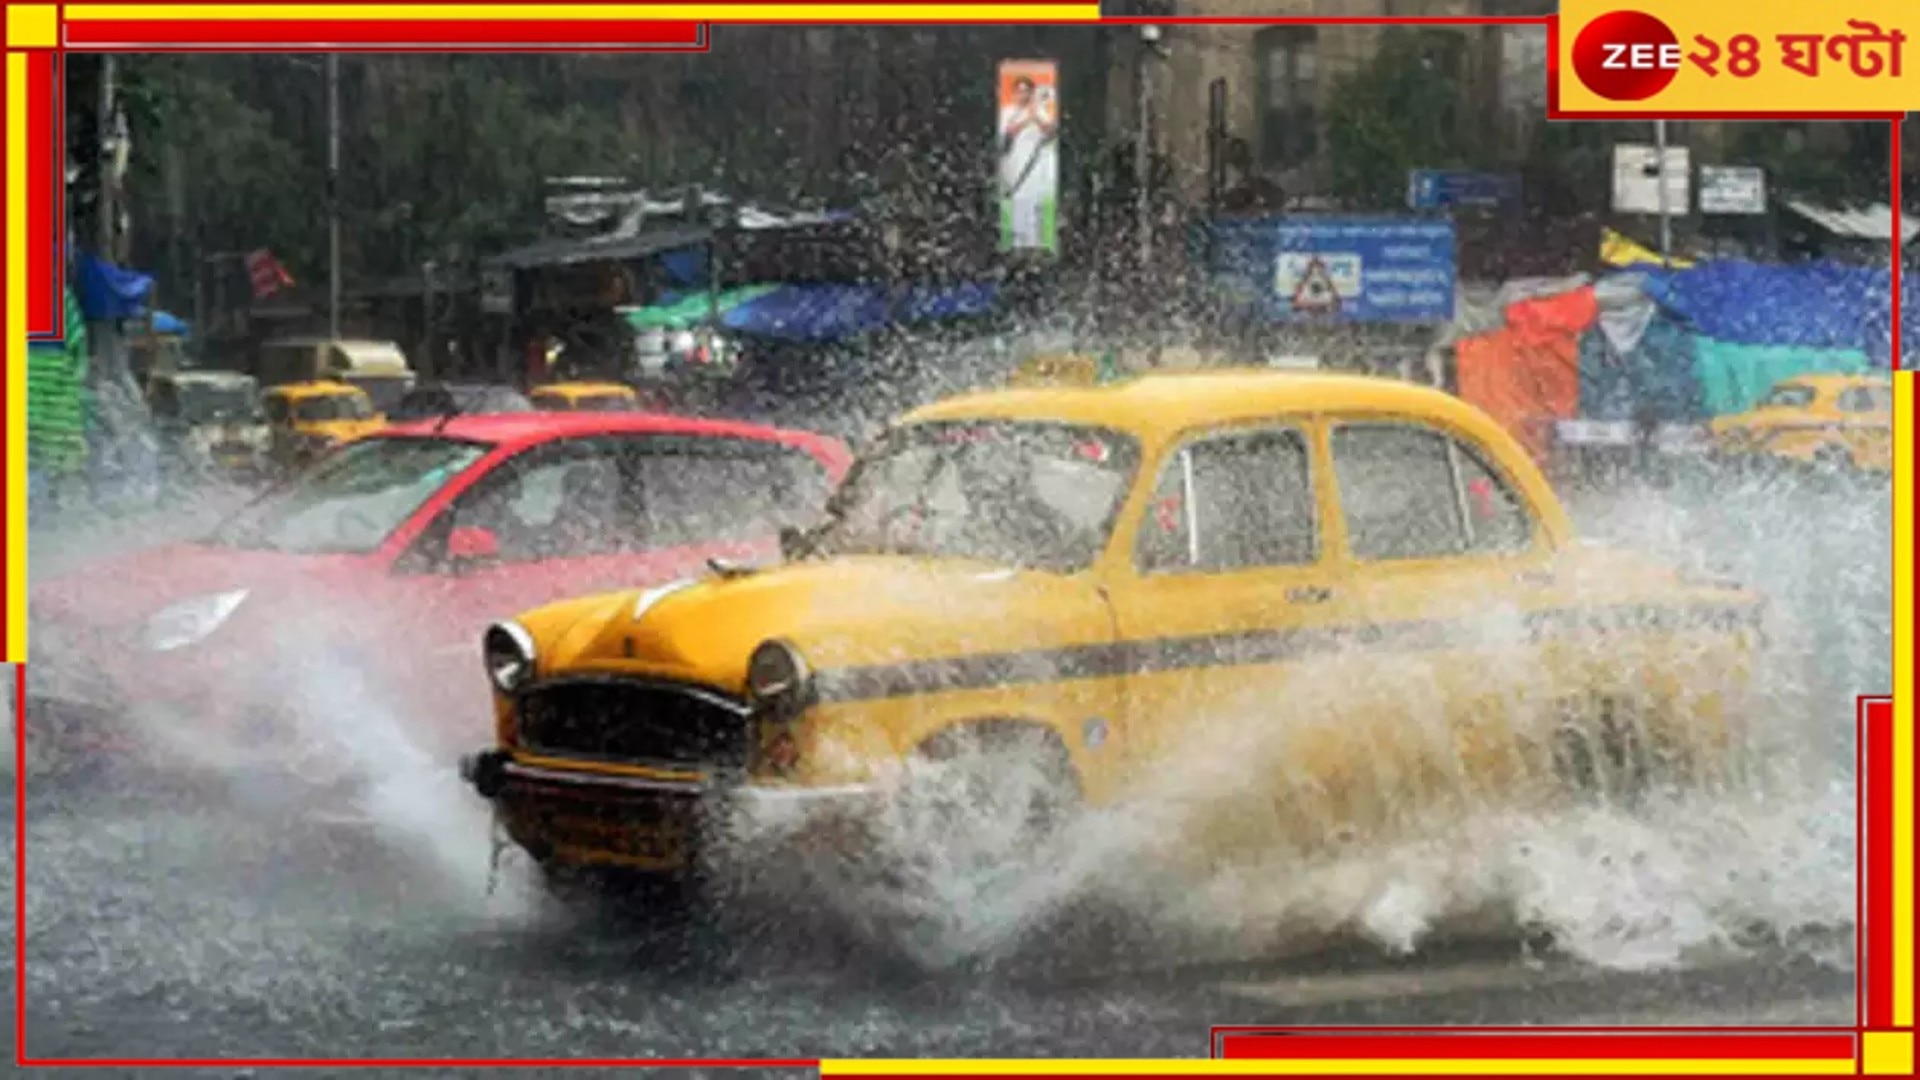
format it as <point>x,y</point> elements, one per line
<point>1414,493</point>
<point>1397,492</point>
<point>1497,519</point>
<point>1865,399</point>
<point>1232,502</point>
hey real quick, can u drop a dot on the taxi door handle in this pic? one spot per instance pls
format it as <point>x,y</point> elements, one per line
<point>1309,594</point>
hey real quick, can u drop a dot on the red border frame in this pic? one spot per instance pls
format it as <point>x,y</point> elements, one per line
<point>44,220</point>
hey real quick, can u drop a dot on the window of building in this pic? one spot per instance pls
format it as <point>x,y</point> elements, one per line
<point>1444,53</point>
<point>1289,81</point>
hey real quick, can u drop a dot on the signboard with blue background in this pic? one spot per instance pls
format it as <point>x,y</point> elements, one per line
<point>1446,189</point>
<point>1339,269</point>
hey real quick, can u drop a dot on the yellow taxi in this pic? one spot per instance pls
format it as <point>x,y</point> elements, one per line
<point>1064,369</point>
<point>1304,607</point>
<point>306,419</point>
<point>1839,423</point>
<point>585,397</point>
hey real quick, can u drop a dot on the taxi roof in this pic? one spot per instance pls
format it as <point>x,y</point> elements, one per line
<point>1835,380</point>
<point>585,388</point>
<point>1164,403</point>
<point>315,388</point>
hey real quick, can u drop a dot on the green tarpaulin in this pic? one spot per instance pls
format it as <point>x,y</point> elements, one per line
<point>1734,377</point>
<point>56,398</point>
<point>692,310</point>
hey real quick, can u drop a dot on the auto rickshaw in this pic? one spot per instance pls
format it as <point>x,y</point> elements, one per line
<point>211,419</point>
<point>377,367</point>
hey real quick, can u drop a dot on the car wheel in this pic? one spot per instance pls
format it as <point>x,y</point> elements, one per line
<point>1833,461</point>
<point>1600,753</point>
<point>624,898</point>
<point>975,821</point>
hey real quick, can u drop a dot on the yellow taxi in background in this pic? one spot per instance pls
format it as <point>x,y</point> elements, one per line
<point>1840,423</point>
<point>585,397</point>
<point>1297,607</point>
<point>1064,369</point>
<point>306,419</point>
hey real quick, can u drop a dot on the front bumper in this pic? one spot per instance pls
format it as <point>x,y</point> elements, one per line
<point>540,807</point>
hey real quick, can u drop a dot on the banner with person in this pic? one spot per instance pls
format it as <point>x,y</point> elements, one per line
<point>1028,145</point>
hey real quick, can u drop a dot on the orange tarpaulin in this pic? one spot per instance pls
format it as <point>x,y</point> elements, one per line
<point>1526,374</point>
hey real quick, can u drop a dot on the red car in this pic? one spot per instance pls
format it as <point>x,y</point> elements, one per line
<point>351,598</point>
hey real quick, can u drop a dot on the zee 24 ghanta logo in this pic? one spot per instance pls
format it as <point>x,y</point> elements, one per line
<point>1631,55</point>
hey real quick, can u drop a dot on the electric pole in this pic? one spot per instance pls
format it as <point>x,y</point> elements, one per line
<point>333,196</point>
<point>1143,148</point>
<point>106,335</point>
<point>1660,170</point>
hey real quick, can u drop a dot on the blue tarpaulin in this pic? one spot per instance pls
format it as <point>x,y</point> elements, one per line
<point>108,291</point>
<point>1816,305</point>
<point>686,266</point>
<point>166,322</point>
<point>820,313</point>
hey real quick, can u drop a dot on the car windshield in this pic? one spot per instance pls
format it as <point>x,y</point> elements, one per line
<point>203,403</point>
<point>1788,397</point>
<point>333,407</point>
<point>1018,493</point>
<point>353,499</point>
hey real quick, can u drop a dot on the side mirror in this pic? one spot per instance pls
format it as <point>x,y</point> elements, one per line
<point>469,545</point>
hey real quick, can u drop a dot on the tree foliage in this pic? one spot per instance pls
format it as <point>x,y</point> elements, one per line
<point>1394,114</point>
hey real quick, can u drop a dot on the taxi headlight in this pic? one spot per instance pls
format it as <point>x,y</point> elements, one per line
<point>778,680</point>
<point>508,651</point>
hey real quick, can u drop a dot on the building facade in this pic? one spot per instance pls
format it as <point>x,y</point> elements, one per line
<point>1282,80</point>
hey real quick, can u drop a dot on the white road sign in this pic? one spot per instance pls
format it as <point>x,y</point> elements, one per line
<point>1733,189</point>
<point>1306,276</point>
<point>1636,176</point>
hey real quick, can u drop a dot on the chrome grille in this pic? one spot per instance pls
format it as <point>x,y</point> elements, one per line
<point>630,720</point>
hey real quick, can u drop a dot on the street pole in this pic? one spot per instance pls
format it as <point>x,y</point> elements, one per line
<point>1142,150</point>
<point>106,366</point>
<point>1660,167</point>
<point>333,196</point>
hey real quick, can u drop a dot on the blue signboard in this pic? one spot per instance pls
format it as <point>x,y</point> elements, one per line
<point>1340,269</point>
<point>1443,189</point>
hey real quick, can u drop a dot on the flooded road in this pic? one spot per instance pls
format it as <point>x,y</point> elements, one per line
<point>183,932</point>
<point>225,925</point>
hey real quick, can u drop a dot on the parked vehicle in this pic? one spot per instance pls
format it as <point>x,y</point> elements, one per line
<point>377,367</point>
<point>305,420</point>
<point>211,420</point>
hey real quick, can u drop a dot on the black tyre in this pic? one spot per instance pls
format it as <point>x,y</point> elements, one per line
<point>621,897</point>
<point>1601,753</point>
<point>1833,462</point>
<point>975,823</point>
